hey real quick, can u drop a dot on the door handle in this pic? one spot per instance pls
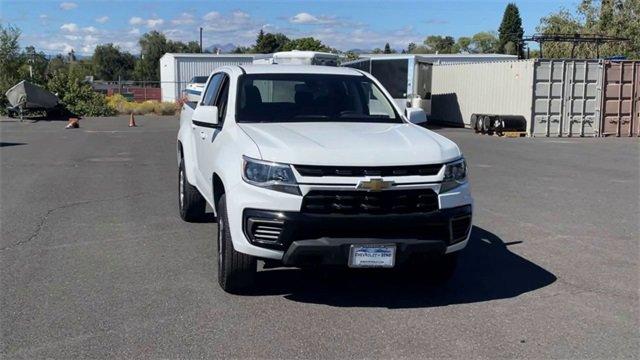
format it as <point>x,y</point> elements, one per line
<point>203,135</point>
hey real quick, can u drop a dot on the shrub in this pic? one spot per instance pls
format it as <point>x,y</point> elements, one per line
<point>78,96</point>
<point>166,108</point>
<point>120,104</point>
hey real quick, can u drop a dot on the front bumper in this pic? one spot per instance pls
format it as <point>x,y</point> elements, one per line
<point>326,238</point>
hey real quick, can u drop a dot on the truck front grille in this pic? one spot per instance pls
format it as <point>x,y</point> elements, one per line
<point>362,202</point>
<point>359,171</point>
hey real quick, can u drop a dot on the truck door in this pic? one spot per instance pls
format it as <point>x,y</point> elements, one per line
<point>204,133</point>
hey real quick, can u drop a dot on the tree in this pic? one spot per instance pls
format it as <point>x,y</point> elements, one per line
<point>411,47</point>
<point>351,55</point>
<point>441,45</point>
<point>180,47</point>
<point>609,17</point>
<point>464,44</point>
<point>511,31</point>
<point>306,43</point>
<point>242,50</point>
<point>387,48</point>
<point>10,60</point>
<point>152,46</point>
<point>112,64</point>
<point>484,42</point>
<point>270,43</point>
<point>34,66</point>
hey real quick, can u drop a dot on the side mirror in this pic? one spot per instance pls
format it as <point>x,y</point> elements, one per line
<point>416,115</point>
<point>206,114</point>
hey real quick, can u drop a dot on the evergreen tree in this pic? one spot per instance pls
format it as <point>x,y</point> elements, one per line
<point>511,31</point>
<point>387,48</point>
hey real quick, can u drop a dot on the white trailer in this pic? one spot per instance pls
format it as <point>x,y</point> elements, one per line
<point>176,70</point>
<point>406,77</point>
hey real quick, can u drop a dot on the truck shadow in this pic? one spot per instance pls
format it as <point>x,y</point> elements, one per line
<point>487,271</point>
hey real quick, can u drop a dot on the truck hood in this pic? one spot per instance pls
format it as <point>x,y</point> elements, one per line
<point>350,144</point>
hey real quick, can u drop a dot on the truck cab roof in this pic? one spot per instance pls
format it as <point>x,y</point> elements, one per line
<point>298,69</point>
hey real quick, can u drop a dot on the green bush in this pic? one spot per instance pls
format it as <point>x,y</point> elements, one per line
<point>78,96</point>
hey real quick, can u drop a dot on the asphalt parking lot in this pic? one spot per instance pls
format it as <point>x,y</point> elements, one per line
<point>95,261</point>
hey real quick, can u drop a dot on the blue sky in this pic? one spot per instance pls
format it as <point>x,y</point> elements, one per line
<point>57,26</point>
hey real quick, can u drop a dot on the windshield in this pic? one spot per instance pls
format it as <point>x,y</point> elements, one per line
<point>311,97</point>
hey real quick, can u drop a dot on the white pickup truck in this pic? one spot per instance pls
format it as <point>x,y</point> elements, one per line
<point>311,165</point>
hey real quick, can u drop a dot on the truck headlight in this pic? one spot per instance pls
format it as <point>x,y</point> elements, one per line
<point>269,175</point>
<point>455,174</point>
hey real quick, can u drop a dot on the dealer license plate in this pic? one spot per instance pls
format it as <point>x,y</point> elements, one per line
<point>372,256</point>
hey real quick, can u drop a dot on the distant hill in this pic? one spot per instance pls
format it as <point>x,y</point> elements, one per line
<point>224,48</point>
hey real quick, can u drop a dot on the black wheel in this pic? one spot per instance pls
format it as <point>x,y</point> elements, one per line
<point>480,124</point>
<point>236,271</point>
<point>486,125</point>
<point>473,124</point>
<point>191,203</point>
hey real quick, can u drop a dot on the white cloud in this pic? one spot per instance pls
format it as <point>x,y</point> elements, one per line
<point>44,16</point>
<point>150,23</point>
<point>153,23</point>
<point>63,47</point>
<point>183,19</point>
<point>308,19</point>
<point>213,15</point>
<point>238,20</point>
<point>68,5</point>
<point>134,31</point>
<point>70,27</point>
<point>90,29</point>
<point>102,19</point>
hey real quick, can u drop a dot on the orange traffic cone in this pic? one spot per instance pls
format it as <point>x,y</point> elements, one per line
<point>74,123</point>
<point>132,121</point>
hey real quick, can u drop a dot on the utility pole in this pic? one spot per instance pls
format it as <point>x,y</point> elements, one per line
<point>201,40</point>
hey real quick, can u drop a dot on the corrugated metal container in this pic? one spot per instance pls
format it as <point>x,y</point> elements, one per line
<point>556,97</point>
<point>460,90</point>
<point>621,98</point>
<point>566,98</point>
<point>177,69</point>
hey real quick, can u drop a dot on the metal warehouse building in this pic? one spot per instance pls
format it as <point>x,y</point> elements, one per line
<point>177,69</point>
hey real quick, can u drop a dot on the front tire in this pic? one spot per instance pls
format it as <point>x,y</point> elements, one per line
<point>192,204</point>
<point>236,271</point>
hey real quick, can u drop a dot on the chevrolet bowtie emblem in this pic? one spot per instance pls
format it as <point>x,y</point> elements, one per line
<point>374,185</point>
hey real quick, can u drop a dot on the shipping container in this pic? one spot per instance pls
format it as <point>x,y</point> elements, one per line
<point>556,97</point>
<point>177,69</point>
<point>566,98</point>
<point>621,98</point>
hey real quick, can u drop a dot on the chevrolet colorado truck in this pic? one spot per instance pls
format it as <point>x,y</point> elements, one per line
<point>309,166</point>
